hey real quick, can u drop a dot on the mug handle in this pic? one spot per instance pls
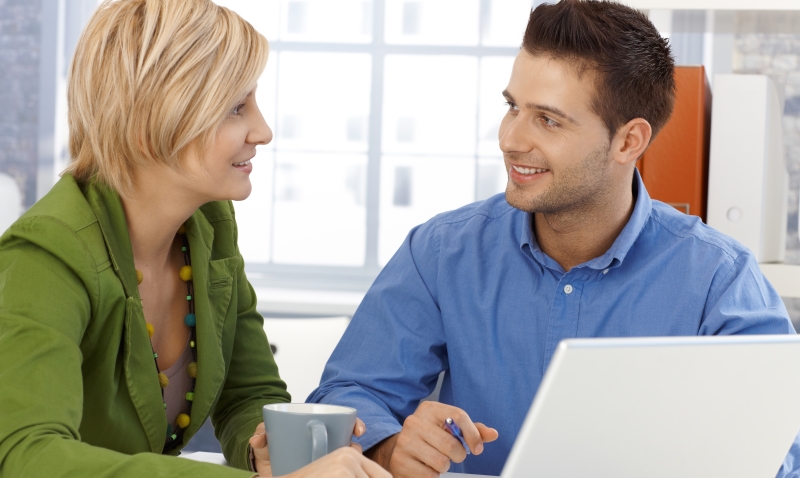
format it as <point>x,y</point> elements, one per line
<point>319,439</point>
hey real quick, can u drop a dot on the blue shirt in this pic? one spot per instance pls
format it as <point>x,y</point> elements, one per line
<point>471,293</point>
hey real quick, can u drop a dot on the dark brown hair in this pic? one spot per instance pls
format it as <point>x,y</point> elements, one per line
<point>634,66</point>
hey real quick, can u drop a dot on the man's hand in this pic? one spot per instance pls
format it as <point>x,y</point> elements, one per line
<point>258,442</point>
<point>423,448</point>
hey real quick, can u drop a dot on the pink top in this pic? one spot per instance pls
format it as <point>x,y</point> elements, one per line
<point>179,383</point>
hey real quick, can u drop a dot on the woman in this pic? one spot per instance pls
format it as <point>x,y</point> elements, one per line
<point>125,315</point>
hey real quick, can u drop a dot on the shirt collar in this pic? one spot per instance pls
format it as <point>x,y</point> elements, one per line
<point>618,250</point>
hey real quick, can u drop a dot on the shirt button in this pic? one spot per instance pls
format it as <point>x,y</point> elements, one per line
<point>605,271</point>
<point>568,289</point>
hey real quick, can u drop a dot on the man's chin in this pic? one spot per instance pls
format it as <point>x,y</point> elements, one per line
<point>520,201</point>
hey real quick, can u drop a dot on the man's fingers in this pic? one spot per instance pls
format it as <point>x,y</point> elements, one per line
<point>487,434</point>
<point>433,416</point>
<point>425,447</point>
<point>468,429</point>
<point>445,443</point>
<point>434,448</point>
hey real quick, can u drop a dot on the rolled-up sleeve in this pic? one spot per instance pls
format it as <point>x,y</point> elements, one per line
<point>394,348</point>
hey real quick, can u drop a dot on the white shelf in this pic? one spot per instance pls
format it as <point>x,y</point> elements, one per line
<point>784,277</point>
<point>307,302</point>
<point>714,4</point>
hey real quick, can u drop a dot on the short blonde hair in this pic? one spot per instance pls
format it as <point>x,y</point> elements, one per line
<point>150,78</point>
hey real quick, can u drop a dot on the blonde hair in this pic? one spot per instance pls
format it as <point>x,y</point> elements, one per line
<point>150,78</point>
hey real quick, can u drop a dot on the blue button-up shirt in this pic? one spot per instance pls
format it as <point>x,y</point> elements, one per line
<point>471,293</point>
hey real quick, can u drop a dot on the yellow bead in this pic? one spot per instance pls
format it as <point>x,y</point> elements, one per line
<point>183,420</point>
<point>191,369</point>
<point>150,330</point>
<point>182,229</point>
<point>186,273</point>
<point>163,380</point>
<point>139,276</point>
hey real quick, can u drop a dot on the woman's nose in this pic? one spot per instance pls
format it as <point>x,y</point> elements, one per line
<point>260,133</point>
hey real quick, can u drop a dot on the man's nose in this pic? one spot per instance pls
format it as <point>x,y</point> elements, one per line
<point>514,136</point>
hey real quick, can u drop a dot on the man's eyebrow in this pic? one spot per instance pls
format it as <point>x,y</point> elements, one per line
<point>535,106</point>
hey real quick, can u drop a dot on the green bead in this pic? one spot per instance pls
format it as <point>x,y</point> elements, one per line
<point>165,405</point>
<point>190,320</point>
<point>183,248</point>
<point>173,436</point>
<point>188,297</point>
<point>169,429</point>
<point>155,355</point>
<point>191,344</point>
<point>190,396</point>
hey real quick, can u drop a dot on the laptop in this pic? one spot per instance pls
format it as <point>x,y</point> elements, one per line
<point>663,407</point>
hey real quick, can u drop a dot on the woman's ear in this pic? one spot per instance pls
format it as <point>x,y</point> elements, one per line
<point>631,140</point>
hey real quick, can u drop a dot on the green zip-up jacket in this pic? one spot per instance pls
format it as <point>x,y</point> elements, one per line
<point>79,393</point>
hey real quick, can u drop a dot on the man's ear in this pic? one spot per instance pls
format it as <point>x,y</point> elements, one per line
<point>631,140</point>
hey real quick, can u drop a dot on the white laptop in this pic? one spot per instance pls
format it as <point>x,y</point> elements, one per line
<point>663,407</point>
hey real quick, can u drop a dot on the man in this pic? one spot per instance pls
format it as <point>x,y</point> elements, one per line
<point>576,248</point>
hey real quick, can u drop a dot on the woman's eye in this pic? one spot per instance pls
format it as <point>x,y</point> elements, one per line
<point>237,110</point>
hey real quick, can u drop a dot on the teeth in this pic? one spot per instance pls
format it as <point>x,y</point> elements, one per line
<point>243,163</point>
<point>522,170</point>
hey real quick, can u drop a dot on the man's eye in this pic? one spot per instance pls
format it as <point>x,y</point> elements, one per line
<point>548,122</point>
<point>511,106</point>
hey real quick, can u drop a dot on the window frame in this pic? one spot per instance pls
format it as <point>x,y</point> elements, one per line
<point>289,276</point>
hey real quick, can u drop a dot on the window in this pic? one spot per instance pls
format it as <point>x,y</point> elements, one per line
<point>385,113</point>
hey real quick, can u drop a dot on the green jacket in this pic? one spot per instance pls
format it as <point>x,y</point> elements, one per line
<point>79,394</point>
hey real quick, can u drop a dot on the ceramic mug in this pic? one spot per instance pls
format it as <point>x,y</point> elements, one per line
<point>299,433</point>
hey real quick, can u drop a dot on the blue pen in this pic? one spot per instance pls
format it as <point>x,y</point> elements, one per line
<point>451,426</point>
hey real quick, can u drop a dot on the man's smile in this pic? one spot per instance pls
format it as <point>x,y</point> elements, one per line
<point>523,170</point>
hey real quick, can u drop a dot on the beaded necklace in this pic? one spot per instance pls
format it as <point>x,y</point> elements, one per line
<point>182,420</point>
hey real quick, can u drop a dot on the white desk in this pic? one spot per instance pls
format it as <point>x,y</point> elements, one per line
<point>462,475</point>
<point>218,459</point>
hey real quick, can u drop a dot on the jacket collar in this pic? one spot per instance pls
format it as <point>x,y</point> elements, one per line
<point>107,207</point>
<point>139,368</point>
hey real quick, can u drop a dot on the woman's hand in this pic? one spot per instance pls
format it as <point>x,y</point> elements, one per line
<point>340,464</point>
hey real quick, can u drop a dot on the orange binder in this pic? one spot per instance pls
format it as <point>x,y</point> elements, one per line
<point>675,166</point>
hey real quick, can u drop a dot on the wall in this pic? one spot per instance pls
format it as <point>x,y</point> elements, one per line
<point>767,43</point>
<point>19,90</point>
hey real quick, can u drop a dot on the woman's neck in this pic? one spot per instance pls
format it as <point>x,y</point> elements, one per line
<point>154,210</point>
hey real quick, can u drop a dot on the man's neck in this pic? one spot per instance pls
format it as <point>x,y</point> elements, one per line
<point>577,236</point>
